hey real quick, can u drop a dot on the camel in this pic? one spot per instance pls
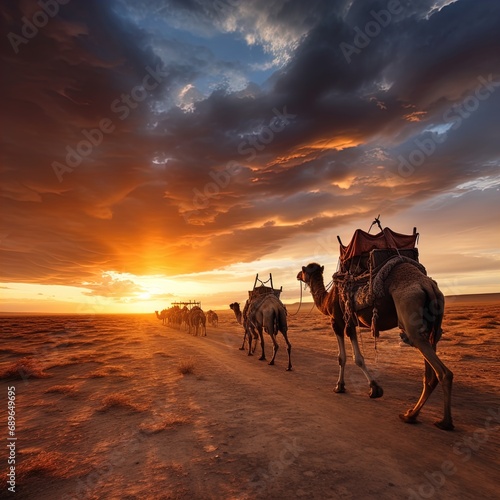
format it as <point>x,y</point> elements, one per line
<point>198,321</point>
<point>235,307</point>
<point>412,301</point>
<point>266,313</point>
<point>212,318</point>
<point>162,316</point>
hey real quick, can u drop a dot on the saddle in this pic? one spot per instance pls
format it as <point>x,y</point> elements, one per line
<point>364,265</point>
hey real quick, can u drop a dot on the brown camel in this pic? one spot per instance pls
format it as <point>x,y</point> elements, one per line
<point>269,314</point>
<point>212,318</point>
<point>198,321</point>
<point>162,316</point>
<point>412,301</point>
<point>235,307</point>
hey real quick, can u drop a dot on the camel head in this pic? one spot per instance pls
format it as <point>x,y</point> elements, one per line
<point>235,307</point>
<point>308,271</point>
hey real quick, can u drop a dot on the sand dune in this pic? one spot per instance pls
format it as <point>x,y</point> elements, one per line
<point>120,407</point>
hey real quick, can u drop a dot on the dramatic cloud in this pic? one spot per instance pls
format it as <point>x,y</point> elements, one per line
<point>170,137</point>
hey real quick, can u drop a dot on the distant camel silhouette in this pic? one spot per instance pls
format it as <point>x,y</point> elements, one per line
<point>212,318</point>
<point>235,307</point>
<point>197,321</point>
<point>162,316</point>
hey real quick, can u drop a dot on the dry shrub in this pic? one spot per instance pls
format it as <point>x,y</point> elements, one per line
<point>23,369</point>
<point>120,401</point>
<point>62,389</point>
<point>165,423</point>
<point>186,366</point>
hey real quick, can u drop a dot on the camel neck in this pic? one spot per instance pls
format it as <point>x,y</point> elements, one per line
<point>318,292</point>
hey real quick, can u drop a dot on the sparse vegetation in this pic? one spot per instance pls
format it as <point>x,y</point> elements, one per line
<point>164,424</point>
<point>24,368</point>
<point>186,366</point>
<point>120,401</point>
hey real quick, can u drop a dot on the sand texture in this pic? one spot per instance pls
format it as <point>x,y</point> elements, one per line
<point>123,408</point>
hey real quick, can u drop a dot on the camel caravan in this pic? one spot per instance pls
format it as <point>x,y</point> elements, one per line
<point>263,311</point>
<point>190,317</point>
<point>381,285</point>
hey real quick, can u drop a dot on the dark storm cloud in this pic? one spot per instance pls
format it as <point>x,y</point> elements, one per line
<point>187,178</point>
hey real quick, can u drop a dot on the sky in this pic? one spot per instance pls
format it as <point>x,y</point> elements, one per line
<point>169,150</point>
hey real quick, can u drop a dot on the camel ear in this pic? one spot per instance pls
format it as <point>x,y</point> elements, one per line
<point>303,269</point>
<point>322,269</point>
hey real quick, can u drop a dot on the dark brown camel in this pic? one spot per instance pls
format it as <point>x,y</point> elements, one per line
<point>197,320</point>
<point>411,301</point>
<point>269,314</point>
<point>235,307</point>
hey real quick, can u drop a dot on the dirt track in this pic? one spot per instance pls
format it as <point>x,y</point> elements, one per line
<point>236,428</point>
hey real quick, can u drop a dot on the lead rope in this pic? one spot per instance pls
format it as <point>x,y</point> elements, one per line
<point>300,301</point>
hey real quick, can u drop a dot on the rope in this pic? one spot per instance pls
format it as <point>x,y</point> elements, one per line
<point>300,301</point>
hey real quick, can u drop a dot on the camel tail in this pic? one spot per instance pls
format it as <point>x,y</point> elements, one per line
<point>281,320</point>
<point>434,310</point>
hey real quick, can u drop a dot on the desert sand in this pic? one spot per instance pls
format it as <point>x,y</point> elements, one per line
<point>121,407</point>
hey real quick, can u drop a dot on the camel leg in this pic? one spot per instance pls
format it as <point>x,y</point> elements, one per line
<point>288,350</point>
<point>340,387</point>
<point>275,348</point>
<point>263,355</point>
<point>375,390</point>
<point>242,348</point>
<point>248,333</point>
<point>444,376</point>
<point>430,383</point>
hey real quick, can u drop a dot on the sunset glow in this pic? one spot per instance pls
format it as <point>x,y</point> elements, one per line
<point>160,151</point>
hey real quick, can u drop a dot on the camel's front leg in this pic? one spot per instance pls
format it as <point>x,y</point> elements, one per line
<point>375,390</point>
<point>242,348</point>
<point>340,387</point>
<point>249,333</point>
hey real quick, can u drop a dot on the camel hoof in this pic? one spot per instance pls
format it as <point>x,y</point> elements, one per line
<point>241,348</point>
<point>271,363</point>
<point>407,419</point>
<point>444,426</point>
<point>375,391</point>
<point>289,369</point>
<point>262,358</point>
<point>339,389</point>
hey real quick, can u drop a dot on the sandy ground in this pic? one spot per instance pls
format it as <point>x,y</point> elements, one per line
<point>149,412</point>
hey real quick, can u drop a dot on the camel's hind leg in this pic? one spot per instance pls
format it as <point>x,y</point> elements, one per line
<point>275,348</point>
<point>443,375</point>
<point>261,335</point>
<point>375,390</point>
<point>288,349</point>
<point>430,383</point>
